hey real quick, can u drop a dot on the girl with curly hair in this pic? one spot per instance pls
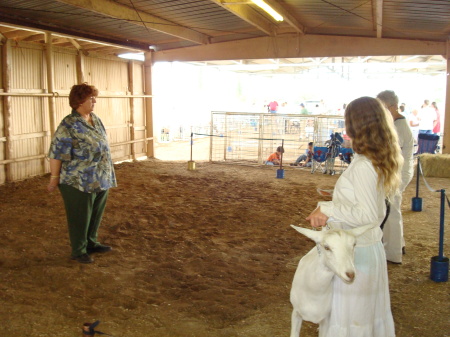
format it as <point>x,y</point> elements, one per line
<point>362,308</point>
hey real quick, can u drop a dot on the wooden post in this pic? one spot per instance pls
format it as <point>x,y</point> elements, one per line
<point>6,66</point>
<point>446,126</point>
<point>148,63</point>
<point>131,121</point>
<point>50,81</point>
<point>80,67</point>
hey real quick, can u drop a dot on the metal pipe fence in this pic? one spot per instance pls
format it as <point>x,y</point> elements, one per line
<point>249,138</point>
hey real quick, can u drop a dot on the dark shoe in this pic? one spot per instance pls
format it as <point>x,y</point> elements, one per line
<point>403,250</point>
<point>99,249</point>
<point>83,258</point>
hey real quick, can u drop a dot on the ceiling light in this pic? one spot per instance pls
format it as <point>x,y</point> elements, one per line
<point>268,9</point>
<point>133,56</point>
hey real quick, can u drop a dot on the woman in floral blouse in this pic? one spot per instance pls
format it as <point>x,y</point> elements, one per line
<point>82,169</point>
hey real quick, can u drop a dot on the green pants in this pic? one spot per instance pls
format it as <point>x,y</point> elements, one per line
<point>84,213</point>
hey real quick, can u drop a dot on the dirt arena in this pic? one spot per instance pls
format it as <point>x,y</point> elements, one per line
<point>197,253</point>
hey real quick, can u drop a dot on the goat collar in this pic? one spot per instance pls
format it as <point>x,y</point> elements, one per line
<point>318,249</point>
<point>317,244</point>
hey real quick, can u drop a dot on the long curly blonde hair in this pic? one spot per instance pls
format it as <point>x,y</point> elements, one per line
<point>371,128</point>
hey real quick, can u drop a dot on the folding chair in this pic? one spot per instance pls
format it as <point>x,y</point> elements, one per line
<point>319,158</point>
<point>427,143</point>
<point>345,156</point>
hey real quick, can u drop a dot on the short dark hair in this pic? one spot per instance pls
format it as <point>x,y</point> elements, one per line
<point>310,144</point>
<point>79,93</point>
<point>280,149</point>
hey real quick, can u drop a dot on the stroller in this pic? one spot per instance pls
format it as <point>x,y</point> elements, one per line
<point>324,157</point>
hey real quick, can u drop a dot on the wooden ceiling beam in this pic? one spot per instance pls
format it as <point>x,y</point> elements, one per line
<point>78,46</point>
<point>4,29</point>
<point>116,10</point>
<point>60,40</point>
<point>245,12</point>
<point>286,15</point>
<point>18,34</point>
<point>297,46</point>
<point>35,37</point>
<point>60,31</point>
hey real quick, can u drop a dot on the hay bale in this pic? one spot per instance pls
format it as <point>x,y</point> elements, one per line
<point>435,165</point>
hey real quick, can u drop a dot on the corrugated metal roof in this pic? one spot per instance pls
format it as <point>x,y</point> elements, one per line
<point>412,19</point>
<point>172,24</point>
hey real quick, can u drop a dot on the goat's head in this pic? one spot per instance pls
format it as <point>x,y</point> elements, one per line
<point>336,247</point>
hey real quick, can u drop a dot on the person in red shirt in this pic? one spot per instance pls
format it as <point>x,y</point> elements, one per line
<point>437,122</point>
<point>273,107</point>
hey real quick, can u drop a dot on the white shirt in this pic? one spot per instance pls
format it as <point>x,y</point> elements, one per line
<point>357,201</point>
<point>427,116</point>
<point>406,142</point>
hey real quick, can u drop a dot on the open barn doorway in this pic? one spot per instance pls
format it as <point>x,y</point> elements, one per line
<point>319,87</point>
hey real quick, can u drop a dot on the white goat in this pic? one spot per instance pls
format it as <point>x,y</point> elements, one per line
<point>311,290</point>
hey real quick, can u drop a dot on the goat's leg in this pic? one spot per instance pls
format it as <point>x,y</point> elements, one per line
<point>296,324</point>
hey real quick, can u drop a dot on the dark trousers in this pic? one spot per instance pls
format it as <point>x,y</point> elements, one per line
<point>84,213</point>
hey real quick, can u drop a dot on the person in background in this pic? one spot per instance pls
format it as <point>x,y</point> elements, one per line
<point>82,169</point>
<point>414,124</point>
<point>393,239</point>
<point>363,308</point>
<point>275,158</point>
<point>283,108</point>
<point>427,118</point>
<point>273,107</point>
<point>303,109</point>
<point>437,123</point>
<point>306,157</point>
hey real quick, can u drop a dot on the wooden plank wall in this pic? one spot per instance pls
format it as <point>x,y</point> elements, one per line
<point>25,131</point>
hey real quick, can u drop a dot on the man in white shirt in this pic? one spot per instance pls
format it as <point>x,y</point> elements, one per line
<point>393,239</point>
<point>427,118</point>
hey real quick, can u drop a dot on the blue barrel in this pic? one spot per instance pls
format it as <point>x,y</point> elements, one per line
<point>280,173</point>
<point>417,204</point>
<point>439,269</point>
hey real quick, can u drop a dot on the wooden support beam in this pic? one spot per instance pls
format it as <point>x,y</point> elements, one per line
<point>116,10</point>
<point>80,67</point>
<point>446,126</point>
<point>377,17</point>
<point>50,81</point>
<point>35,37</point>
<point>18,34</point>
<point>6,78</point>
<point>78,46</point>
<point>148,64</point>
<point>297,46</point>
<point>131,122</point>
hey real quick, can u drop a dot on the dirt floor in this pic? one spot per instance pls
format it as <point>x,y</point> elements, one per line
<point>207,252</point>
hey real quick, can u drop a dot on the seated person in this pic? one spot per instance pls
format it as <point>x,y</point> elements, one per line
<point>275,158</point>
<point>306,157</point>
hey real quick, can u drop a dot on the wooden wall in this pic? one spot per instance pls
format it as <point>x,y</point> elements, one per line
<point>27,104</point>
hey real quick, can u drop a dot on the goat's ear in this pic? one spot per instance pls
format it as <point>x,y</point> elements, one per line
<point>360,230</point>
<point>313,235</point>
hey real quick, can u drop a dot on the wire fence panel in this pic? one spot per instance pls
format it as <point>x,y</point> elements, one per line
<point>250,138</point>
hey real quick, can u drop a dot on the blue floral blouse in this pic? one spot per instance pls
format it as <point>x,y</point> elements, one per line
<point>85,154</point>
